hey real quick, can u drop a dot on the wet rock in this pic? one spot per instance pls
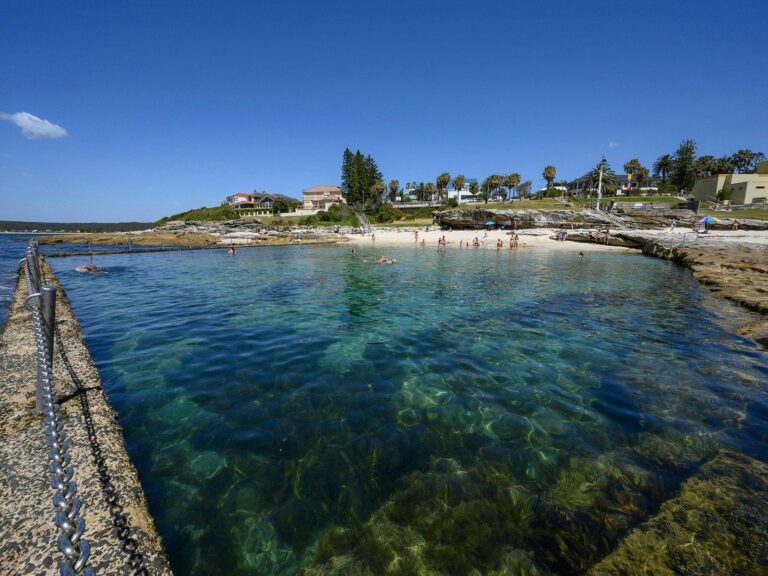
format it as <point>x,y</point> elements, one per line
<point>716,525</point>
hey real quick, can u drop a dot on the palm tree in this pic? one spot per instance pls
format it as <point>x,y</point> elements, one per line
<point>394,188</point>
<point>724,165</point>
<point>641,176</point>
<point>458,184</point>
<point>511,181</point>
<point>592,179</point>
<point>377,190</point>
<point>429,191</point>
<point>549,174</point>
<point>706,165</point>
<point>491,185</point>
<point>662,167</point>
<point>474,189</point>
<point>742,160</point>
<point>442,186</point>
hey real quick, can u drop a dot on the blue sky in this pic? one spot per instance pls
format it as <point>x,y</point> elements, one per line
<point>174,105</point>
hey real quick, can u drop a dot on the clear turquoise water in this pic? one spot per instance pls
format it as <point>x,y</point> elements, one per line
<point>270,396</point>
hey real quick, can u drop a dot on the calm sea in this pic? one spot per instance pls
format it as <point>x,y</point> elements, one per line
<point>450,412</point>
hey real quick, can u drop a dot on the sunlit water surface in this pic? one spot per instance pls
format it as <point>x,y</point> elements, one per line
<point>270,396</point>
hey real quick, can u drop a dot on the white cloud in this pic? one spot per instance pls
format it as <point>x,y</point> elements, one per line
<point>33,127</point>
<point>613,144</point>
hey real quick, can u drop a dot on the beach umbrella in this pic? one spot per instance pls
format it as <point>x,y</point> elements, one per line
<point>490,223</point>
<point>708,220</point>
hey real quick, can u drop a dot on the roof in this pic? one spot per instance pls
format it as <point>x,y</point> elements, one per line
<point>324,188</point>
<point>241,195</point>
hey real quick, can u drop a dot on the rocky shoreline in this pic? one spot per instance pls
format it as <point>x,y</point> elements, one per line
<point>178,233</point>
<point>476,218</point>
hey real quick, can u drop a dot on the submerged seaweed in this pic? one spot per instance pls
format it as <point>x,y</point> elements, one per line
<point>438,417</point>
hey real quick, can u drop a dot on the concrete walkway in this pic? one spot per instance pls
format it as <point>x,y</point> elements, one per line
<point>27,531</point>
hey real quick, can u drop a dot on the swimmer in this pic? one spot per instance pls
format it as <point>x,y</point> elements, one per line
<point>581,254</point>
<point>232,251</point>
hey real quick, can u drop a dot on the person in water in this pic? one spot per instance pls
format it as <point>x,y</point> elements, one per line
<point>385,260</point>
<point>232,251</point>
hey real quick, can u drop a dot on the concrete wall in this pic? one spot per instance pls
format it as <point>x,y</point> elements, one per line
<point>746,187</point>
<point>707,188</point>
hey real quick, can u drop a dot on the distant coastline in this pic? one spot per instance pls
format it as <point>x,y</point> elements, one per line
<point>21,227</point>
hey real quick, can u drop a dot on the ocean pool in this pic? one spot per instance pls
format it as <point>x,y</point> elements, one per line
<point>293,404</point>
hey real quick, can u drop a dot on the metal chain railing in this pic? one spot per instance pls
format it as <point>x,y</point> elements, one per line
<point>41,301</point>
<point>120,520</point>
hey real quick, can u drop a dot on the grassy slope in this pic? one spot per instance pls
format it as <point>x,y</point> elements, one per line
<point>203,214</point>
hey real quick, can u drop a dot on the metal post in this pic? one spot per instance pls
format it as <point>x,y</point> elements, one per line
<point>34,269</point>
<point>48,311</point>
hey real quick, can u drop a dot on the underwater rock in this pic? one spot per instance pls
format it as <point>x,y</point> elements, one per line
<point>207,465</point>
<point>716,525</point>
<point>261,551</point>
<point>511,427</point>
<point>518,562</point>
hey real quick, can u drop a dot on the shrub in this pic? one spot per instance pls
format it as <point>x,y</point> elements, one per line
<point>387,213</point>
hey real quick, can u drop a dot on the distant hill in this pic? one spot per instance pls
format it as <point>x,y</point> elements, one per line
<point>202,215</point>
<point>14,226</point>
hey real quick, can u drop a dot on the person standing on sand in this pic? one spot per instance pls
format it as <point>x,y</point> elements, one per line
<point>673,225</point>
<point>499,244</point>
<point>736,225</point>
<point>607,234</point>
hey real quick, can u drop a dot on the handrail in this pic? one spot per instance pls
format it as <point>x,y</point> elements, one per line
<point>71,525</point>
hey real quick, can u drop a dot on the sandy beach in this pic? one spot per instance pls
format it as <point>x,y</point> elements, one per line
<point>538,238</point>
<point>529,238</point>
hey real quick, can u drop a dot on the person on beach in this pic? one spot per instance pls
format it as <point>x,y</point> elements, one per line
<point>461,243</point>
<point>607,234</point>
<point>673,226</point>
<point>416,236</point>
<point>499,244</point>
<point>476,242</point>
<point>735,225</point>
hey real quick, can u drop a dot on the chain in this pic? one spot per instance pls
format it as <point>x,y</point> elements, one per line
<point>71,525</point>
<point>119,519</point>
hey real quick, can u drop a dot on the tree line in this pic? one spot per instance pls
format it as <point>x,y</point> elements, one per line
<point>363,183</point>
